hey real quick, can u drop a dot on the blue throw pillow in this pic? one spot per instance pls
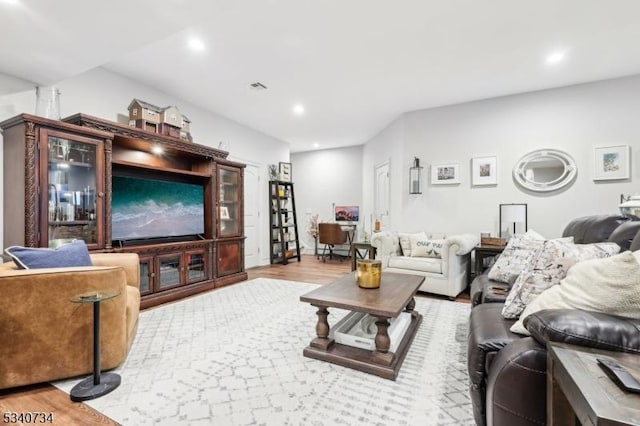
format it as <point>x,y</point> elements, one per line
<point>72,254</point>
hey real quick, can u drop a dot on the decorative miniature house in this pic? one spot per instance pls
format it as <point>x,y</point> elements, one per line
<point>185,132</point>
<point>166,121</point>
<point>144,115</point>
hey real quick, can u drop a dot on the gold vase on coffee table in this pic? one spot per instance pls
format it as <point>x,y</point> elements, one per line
<point>368,273</point>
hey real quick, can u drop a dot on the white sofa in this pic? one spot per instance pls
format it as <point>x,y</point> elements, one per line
<point>446,275</point>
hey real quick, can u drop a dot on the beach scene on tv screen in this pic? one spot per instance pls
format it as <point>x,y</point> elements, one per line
<point>148,208</point>
<point>347,213</point>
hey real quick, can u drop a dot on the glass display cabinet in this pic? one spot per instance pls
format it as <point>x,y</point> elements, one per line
<point>74,188</point>
<point>229,201</point>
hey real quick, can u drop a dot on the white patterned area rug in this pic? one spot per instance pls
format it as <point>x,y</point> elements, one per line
<point>234,357</point>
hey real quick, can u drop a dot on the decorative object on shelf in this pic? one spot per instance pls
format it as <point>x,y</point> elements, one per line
<point>368,273</point>
<point>48,102</point>
<point>273,172</point>
<point>165,121</point>
<point>492,241</point>
<point>313,226</point>
<point>513,219</point>
<point>545,170</point>
<point>611,162</point>
<point>224,212</point>
<point>630,204</point>
<point>285,171</point>
<point>415,177</point>
<point>445,174</point>
<point>484,171</point>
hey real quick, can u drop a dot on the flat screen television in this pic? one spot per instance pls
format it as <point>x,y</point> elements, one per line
<point>347,213</point>
<point>151,208</point>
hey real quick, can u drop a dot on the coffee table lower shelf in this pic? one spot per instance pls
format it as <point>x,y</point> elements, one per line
<point>362,359</point>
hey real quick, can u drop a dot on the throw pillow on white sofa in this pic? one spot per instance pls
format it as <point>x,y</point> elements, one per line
<point>405,241</point>
<point>423,247</point>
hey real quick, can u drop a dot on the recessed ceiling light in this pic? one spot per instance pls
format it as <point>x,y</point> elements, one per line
<point>298,109</point>
<point>555,58</point>
<point>157,150</point>
<point>196,44</point>
<point>316,145</point>
<point>11,1</point>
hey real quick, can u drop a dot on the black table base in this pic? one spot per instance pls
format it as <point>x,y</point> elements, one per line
<point>86,389</point>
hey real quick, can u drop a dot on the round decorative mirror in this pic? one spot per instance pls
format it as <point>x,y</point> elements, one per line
<point>545,170</point>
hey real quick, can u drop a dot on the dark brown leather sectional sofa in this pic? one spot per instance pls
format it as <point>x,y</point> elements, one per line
<point>508,371</point>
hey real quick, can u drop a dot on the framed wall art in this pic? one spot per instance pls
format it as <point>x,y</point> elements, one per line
<point>285,172</point>
<point>445,174</point>
<point>484,171</point>
<point>611,162</point>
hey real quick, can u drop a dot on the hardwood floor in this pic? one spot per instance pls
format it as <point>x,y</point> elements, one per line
<point>49,399</point>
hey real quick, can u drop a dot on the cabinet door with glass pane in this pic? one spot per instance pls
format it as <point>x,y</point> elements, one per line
<point>72,193</point>
<point>229,201</point>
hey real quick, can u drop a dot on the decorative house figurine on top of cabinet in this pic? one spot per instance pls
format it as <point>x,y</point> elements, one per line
<point>185,132</point>
<point>170,121</point>
<point>166,121</point>
<point>144,115</point>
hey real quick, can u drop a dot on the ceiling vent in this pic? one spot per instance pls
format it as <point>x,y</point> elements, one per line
<point>258,86</point>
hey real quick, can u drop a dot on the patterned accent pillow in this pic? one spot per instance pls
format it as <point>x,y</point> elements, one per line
<point>515,256</point>
<point>405,242</point>
<point>549,265</point>
<point>422,247</point>
<point>610,285</point>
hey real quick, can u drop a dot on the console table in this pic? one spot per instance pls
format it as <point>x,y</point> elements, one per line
<point>578,389</point>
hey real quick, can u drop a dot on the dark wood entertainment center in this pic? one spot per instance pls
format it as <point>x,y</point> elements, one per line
<point>58,186</point>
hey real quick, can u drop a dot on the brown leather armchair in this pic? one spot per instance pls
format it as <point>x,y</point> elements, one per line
<point>44,336</point>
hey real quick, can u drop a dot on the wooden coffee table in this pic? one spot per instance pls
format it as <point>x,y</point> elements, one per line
<point>395,295</point>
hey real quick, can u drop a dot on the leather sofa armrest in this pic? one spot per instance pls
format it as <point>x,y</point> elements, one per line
<point>485,290</point>
<point>516,386</point>
<point>488,334</point>
<point>583,328</point>
<point>130,262</point>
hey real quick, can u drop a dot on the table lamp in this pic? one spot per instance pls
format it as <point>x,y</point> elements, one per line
<point>513,219</point>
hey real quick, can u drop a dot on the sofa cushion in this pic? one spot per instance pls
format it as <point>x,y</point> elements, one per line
<point>72,254</point>
<point>423,247</point>
<point>548,266</point>
<point>595,228</point>
<point>422,264</point>
<point>515,256</point>
<point>592,329</point>
<point>405,241</point>
<point>610,285</point>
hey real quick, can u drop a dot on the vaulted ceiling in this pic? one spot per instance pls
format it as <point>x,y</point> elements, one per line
<point>352,65</point>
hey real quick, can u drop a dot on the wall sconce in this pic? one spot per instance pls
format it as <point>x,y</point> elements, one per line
<point>415,177</point>
<point>513,220</point>
<point>630,204</point>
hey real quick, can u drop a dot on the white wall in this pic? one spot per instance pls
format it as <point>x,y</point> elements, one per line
<point>324,178</point>
<point>574,119</point>
<point>105,94</point>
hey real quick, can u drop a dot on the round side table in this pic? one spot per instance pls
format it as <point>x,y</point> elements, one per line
<point>98,384</point>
